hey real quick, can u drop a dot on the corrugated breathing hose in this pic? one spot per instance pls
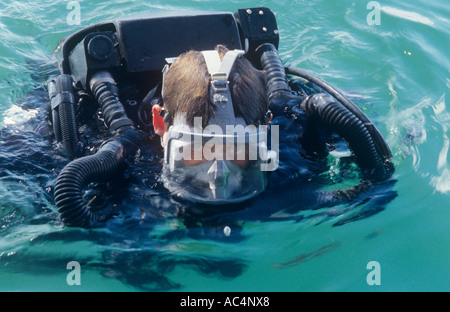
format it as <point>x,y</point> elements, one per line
<point>100,167</point>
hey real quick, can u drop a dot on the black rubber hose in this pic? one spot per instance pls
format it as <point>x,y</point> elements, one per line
<point>371,151</point>
<point>100,167</point>
<point>381,145</point>
<point>69,128</point>
<point>51,89</point>
<point>276,81</point>
<point>107,94</point>
<point>56,125</point>
<point>62,100</point>
<point>337,118</point>
<point>79,173</point>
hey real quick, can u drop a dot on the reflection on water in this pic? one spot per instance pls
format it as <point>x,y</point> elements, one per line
<point>441,182</point>
<point>411,129</point>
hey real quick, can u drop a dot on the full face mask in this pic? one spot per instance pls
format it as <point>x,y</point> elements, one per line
<point>228,160</point>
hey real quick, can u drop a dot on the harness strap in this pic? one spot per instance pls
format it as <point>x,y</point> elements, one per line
<point>220,94</point>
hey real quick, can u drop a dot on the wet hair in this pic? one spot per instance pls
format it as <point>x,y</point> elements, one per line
<point>186,89</point>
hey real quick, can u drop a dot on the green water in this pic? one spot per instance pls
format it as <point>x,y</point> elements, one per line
<point>398,69</point>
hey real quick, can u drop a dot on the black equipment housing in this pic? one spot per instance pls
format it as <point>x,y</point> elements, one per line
<point>142,45</point>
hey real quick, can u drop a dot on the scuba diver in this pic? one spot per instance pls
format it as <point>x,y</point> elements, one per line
<point>221,101</point>
<point>218,90</point>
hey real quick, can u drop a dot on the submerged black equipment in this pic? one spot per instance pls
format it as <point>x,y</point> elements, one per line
<point>332,109</point>
<point>62,99</point>
<point>116,67</point>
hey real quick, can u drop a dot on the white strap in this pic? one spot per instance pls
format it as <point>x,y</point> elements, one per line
<point>215,65</point>
<point>212,60</point>
<point>228,61</point>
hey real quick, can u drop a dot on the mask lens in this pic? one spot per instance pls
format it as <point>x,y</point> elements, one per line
<point>235,153</point>
<point>215,168</point>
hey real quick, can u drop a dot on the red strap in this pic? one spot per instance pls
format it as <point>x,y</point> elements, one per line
<point>158,122</point>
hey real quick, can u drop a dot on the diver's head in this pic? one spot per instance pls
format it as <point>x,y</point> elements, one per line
<point>187,82</point>
<point>214,128</point>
